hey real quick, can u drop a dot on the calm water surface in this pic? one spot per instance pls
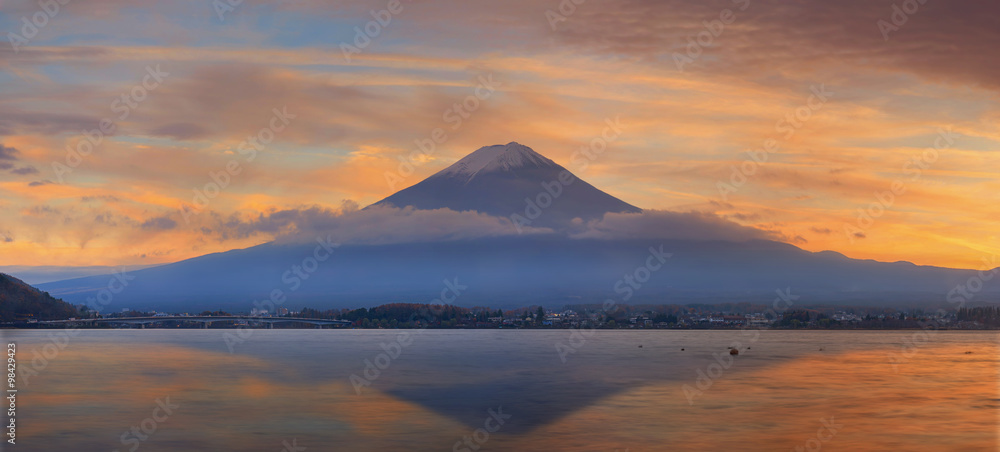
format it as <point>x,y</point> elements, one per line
<point>814,390</point>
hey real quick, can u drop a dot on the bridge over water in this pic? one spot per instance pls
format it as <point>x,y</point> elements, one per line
<point>204,319</point>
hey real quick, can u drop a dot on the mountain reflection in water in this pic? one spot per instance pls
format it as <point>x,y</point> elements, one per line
<point>285,386</point>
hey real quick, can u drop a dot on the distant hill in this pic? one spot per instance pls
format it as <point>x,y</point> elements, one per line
<point>19,301</point>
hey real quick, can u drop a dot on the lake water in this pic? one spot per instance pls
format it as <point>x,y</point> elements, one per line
<point>291,389</point>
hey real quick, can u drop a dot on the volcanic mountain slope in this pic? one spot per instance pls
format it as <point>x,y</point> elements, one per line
<point>501,269</point>
<point>503,180</point>
<point>519,271</point>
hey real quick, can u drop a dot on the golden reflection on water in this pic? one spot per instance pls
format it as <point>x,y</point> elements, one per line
<point>941,399</point>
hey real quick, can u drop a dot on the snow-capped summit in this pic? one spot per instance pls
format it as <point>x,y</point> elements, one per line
<point>503,180</point>
<point>499,157</point>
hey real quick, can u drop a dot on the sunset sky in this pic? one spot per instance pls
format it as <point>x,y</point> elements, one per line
<point>911,106</point>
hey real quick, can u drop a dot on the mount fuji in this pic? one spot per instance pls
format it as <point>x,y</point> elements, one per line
<point>494,265</point>
<point>506,180</point>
